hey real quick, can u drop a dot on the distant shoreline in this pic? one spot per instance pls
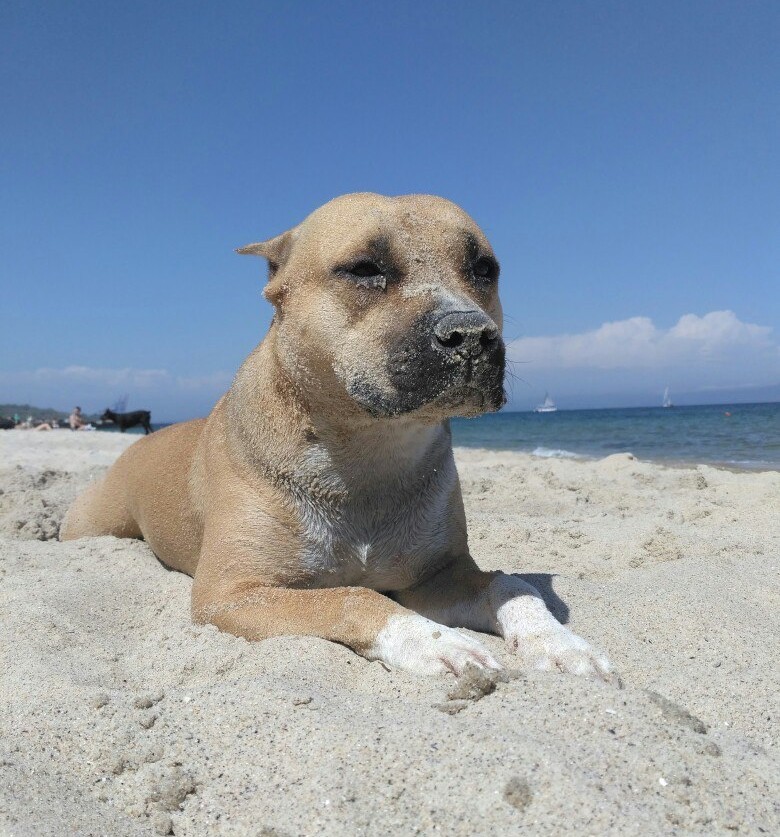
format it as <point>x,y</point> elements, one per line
<point>24,410</point>
<point>737,437</point>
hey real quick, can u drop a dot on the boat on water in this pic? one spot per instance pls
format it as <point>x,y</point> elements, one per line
<point>547,406</point>
<point>667,402</point>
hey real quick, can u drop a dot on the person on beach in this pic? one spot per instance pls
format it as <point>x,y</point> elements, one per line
<point>76,421</point>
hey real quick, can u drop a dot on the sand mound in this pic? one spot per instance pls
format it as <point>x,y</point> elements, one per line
<point>32,504</point>
<point>41,473</point>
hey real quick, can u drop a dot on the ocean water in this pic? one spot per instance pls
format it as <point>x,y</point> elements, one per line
<point>745,436</point>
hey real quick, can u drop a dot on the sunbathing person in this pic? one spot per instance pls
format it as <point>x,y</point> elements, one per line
<point>76,420</point>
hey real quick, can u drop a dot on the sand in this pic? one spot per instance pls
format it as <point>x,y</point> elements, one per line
<point>119,717</point>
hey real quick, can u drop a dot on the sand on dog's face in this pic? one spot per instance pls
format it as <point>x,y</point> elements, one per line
<point>118,716</point>
<point>358,294</point>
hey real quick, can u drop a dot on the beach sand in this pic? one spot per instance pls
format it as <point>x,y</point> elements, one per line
<point>119,717</point>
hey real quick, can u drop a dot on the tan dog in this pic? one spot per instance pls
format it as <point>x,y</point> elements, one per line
<point>320,497</point>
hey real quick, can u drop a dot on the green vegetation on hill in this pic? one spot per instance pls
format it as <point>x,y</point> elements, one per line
<point>24,410</point>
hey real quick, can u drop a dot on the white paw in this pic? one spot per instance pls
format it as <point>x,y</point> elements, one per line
<point>536,636</point>
<point>558,649</point>
<point>417,644</point>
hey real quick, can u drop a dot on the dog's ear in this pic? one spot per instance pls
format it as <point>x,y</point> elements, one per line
<point>276,250</point>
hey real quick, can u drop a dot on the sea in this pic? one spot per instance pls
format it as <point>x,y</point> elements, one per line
<point>740,436</point>
<point>737,436</point>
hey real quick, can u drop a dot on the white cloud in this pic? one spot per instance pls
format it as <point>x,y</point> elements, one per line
<point>127,377</point>
<point>631,361</point>
<point>637,343</point>
<point>133,378</point>
<point>216,380</point>
<point>169,396</point>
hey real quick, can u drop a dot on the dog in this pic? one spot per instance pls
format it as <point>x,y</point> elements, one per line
<point>320,496</point>
<point>125,420</point>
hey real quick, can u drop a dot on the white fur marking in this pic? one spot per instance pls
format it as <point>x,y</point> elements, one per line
<point>388,523</point>
<point>422,646</point>
<point>536,635</point>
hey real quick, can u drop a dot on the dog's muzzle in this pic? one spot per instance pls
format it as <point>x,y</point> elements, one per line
<point>454,359</point>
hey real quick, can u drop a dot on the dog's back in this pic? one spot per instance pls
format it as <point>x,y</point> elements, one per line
<point>147,493</point>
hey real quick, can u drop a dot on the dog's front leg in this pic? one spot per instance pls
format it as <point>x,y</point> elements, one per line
<point>461,595</point>
<point>366,621</point>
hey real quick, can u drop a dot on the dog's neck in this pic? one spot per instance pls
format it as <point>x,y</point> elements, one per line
<point>314,435</point>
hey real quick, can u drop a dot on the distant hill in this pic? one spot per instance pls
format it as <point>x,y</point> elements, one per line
<point>24,410</point>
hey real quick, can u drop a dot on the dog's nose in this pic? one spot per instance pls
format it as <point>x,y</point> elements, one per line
<point>465,333</point>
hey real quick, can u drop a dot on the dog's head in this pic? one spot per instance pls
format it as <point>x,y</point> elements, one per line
<point>392,302</point>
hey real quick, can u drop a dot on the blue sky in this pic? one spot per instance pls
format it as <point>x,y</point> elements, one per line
<point>622,158</point>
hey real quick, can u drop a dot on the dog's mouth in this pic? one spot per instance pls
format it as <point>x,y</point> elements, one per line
<point>470,401</point>
<point>467,388</point>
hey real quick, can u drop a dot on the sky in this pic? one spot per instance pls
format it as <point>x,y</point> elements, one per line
<point>621,157</point>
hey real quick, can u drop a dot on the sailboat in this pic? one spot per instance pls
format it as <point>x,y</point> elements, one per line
<point>547,406</point>
<point>667,399</point>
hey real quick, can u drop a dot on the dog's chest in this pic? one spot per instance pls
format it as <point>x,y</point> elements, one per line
<point>385,536</point>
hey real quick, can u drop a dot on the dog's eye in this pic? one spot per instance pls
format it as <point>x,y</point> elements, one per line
<point>365,274</point>
<point>365,269</point>
<point>485,269</point>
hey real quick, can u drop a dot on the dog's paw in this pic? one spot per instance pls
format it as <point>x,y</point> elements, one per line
<point>537,637</point>
<point>417,644</point>
<point>556,648</point>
